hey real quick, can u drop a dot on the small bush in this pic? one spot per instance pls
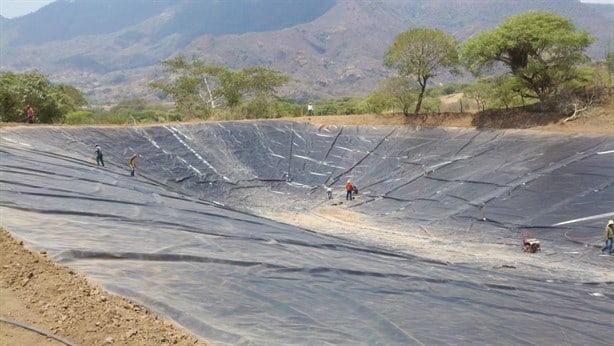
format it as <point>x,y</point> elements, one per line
<point>79,118</point>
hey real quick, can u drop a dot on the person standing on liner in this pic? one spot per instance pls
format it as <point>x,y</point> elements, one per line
<point>30,114</point>
<point>348,189</point>
<point>99,159</point>
<point>609,237</point>
<point>133,163</point>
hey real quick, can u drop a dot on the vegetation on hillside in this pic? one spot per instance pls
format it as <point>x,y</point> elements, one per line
<point>533,58</point>
<point>198,88</point>
<point>108,48</point>
<point>50,102</point>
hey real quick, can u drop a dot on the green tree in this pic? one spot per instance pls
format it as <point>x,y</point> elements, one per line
<point>542,51</point>
<point>49,101</point>
<point>401,91</point>
<point>480,92</point>
<point>197,88</point>
<point>262,81</point>
<point>422,54</point>
<point>75,98</point>
<point>505,92</point>
<point>189,85</point>
<point>377,102</point>
<point>255,85</point>
<point>494,92</point>
<point>432,104</point>
<point>329,107</point>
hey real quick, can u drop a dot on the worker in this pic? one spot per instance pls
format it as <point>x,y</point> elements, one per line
<point>30,114</point>
<point>133,163</point>
<point>99,159</point>
<point>609,237</point>
<point>329,192</point>
<point>348,188</point>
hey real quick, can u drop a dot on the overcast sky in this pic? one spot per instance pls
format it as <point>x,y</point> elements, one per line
<point>17,8</point>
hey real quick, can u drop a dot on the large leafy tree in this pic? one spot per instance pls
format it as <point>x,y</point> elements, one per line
<point>197,87</point>
<point>421,54</point>
<point>189,85</point>
<point>262,81</point>
<point>50,101</point>
<point>542,50</point>
<point>260,89</point>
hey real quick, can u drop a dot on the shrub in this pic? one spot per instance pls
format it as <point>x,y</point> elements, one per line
<point>79,118</point>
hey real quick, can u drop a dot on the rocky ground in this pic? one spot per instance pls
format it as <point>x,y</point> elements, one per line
<point>42,303</point>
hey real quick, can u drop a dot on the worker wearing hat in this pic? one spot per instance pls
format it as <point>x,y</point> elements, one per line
<point>609,237</point>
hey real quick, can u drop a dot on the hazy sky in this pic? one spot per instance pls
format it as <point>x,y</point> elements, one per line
<point>17,8</point>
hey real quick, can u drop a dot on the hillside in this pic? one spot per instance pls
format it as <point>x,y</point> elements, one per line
<point>111,49</point>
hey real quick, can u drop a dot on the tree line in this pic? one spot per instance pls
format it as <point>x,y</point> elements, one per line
<point>51,101</point>
<point>535,57</point>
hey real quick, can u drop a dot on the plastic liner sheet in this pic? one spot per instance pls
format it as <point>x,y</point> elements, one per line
<point>183,237</point>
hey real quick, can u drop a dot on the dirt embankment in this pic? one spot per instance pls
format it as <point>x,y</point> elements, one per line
<point>66,308</point>
<point>599,119</point>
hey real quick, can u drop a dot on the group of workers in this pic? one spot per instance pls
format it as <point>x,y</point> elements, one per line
<point>97,148</point>
<point>350,188</point>
<point>350,191</point>
<point>100,159</point>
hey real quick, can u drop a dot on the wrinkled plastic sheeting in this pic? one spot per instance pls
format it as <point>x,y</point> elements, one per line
<point>181,237</point>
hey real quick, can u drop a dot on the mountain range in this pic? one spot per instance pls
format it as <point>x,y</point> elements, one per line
<point>111,49</point>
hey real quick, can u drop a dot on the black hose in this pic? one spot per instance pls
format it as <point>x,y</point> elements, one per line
<point>40,331</point>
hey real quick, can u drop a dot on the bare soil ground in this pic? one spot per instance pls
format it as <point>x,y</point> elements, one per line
<point>61,304</point>
<point>596,120</point>
<point>37,293</point>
